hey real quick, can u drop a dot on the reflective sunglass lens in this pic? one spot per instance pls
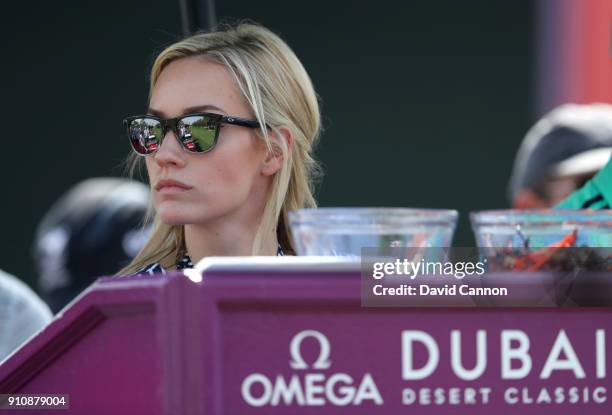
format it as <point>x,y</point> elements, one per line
<point>145,135</point>
<point>197,133</point>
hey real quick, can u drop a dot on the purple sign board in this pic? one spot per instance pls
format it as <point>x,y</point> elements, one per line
<point>289,335</point>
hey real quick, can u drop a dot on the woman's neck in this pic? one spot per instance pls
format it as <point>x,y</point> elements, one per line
<point>229,239</point>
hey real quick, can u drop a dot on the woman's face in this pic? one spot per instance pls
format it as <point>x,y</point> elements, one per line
<point>228,182</point>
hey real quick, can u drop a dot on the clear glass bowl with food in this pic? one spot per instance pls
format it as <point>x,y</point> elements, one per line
<point>544,240</point>
<point>345,231</point>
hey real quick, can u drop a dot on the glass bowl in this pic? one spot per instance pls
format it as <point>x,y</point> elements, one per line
<point>345,231</point>
<point>537,240</point>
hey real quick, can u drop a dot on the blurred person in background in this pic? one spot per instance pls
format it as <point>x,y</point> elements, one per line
<point>22,313</point>
<point>93,230</point>
<point>560,153</point>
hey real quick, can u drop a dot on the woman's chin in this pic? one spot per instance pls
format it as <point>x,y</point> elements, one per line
<point>183,215</point>
<point>172,217</point>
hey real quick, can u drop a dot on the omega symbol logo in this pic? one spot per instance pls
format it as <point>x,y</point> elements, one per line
<point>309,388</point>
<point>297,362</point>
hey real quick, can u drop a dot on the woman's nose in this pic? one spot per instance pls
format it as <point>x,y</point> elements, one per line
<point>170,151</point>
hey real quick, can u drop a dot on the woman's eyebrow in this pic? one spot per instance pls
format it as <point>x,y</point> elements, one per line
<point>202,108</point>
<point>197,108</point>
<point>152,111</point>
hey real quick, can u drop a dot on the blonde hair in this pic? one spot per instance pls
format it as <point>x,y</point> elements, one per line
<point>279,92</point>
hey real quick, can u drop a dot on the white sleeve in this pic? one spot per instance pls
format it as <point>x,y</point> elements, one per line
<point>22,313</point>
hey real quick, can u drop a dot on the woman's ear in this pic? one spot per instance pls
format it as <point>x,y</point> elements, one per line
<point>274,158</point>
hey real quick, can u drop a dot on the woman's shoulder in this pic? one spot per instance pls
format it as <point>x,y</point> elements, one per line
<point>154,268</point>
<point>184,262</point>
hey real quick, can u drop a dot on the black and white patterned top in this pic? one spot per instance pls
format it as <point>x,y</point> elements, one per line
<point>184,262</point>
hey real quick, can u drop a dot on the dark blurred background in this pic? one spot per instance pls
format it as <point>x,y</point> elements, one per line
<point>424,102</point>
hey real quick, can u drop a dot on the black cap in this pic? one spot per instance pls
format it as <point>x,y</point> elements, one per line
<point>95,229</point>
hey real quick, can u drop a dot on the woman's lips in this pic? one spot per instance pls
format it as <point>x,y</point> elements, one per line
<point>171,186</point>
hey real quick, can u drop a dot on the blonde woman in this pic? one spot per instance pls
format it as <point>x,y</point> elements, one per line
<point>227,142</point>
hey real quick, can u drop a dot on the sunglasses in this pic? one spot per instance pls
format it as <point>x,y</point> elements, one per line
<point>197,133</point>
